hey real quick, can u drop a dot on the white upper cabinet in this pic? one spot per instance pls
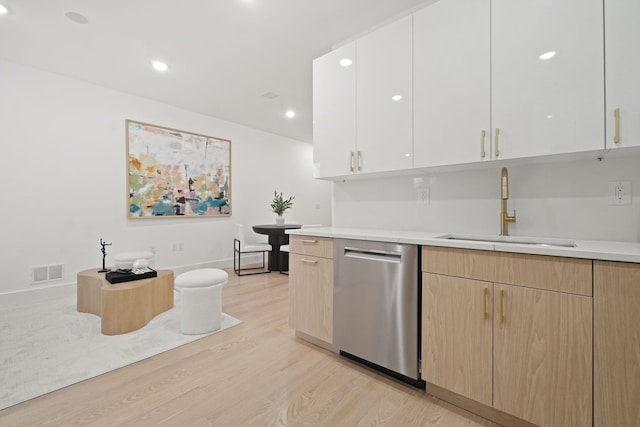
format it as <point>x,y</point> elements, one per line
<point>466,81</point>
<point>622,21</point>
<point>334,112</point>
<point>547,77</point>
<point>452,76</point>
<point>384,98</point>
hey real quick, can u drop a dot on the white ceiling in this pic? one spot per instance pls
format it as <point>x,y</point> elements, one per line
<point>223,54</point>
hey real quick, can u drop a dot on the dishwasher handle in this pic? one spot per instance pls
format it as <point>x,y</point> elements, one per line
<point>373,254</point>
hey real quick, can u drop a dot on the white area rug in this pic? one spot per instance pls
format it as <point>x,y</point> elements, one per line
<point>47,345</point>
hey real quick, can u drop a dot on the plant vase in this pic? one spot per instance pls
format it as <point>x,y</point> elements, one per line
<point>280,205</point>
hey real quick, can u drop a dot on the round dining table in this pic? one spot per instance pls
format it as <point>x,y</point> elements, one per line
<point>277,237</point>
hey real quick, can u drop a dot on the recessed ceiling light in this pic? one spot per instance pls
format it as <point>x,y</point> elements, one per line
<point>77,18</point>
<point>396,97</point>
<point>547,55</point>
<point>159,65</point>
<point>290,114</point>
<point>345,62</point>
<point>3,10</point>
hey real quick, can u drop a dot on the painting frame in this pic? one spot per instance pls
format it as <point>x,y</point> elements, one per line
<point>173,173</point>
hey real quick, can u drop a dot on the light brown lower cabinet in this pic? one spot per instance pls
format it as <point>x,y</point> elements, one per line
<point>524,351</point>
<point>311,287</point>
<point>616,344</point>
<point>542,356</point>
<point>454,307</point>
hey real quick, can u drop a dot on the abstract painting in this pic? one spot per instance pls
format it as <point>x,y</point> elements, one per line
<point>173,173</point>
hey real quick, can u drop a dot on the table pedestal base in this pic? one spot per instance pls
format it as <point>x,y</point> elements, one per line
<point>277,261</point>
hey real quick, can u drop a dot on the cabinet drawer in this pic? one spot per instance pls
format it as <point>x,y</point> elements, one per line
<point>313,246</point>
<point>571,275</point>
<point>467,263</point>
<point>311,296</point>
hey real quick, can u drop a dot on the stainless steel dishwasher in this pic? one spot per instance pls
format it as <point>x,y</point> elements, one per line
<point>376,300</point>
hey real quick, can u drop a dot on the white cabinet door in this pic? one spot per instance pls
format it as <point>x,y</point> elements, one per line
<point>334,112</point>
<point>452,77</point>
<point>384,121</point>
<point>554,105</point>
<point>622,38</point>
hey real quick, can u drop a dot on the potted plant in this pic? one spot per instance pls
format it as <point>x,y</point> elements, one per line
<point>280,205</point>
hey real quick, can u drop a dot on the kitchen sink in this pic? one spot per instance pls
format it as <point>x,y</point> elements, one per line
<point>516,240</point>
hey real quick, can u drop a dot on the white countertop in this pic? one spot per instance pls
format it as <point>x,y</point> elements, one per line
<point>590,249</point>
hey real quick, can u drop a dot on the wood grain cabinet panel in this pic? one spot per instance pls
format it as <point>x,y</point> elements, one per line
<point>542,357</point>
<point>455,307</point>
<point>537,341</point>
<point>467,263</point>
<point>571,275</point>
<point>616,344</point>
<point>311,296</point>
<point>314,246</point>
<point>311,286</point>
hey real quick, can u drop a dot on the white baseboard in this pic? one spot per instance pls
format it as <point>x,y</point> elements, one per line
<point>61,289</point>
<point>37,294</point>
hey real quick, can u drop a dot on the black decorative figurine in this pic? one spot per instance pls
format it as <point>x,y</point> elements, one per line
<point>104,256</point>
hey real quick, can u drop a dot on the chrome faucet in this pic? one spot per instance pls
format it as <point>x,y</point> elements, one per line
<point>505,219</point>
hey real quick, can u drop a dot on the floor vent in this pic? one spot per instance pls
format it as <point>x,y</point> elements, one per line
<point>46,273</point>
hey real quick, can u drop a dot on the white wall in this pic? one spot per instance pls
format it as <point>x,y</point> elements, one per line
<point>553,200</point>
<point>64,179</point>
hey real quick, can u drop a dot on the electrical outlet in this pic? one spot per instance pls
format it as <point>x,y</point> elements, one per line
<point>423,196</point>
<point>178,247</point>
<point>620,192</point>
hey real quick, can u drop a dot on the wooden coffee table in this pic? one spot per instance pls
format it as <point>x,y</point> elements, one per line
<point>124,307</point>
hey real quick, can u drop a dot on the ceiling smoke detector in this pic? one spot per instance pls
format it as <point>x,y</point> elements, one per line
<point>77,18</point>
<point>270,95</point>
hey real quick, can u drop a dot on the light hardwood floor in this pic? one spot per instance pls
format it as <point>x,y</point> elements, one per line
<point>254,374</point>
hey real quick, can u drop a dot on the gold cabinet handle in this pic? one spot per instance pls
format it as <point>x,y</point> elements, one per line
<point>309,241</point>
<point>482,136</point>
<point>359,161</point>
<point>501,304</point>
<point>616,136</point>
<point>485,293</point>
<point>497,141</point>
<point>309,261</point>
<point>351,162</point>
